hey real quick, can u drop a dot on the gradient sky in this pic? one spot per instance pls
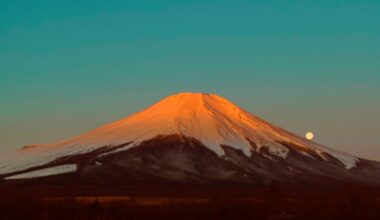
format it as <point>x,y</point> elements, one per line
<point>67,67</point>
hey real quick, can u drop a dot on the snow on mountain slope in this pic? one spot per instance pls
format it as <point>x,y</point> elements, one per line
<point>211,119</point>
<point>45,172</point>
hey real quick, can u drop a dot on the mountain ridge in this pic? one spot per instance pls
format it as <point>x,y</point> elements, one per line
<point>203,120</point>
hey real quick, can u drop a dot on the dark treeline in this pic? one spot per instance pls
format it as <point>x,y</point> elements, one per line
<point>345,204</point>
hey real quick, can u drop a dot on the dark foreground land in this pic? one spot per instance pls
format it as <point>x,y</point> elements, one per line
<point>187,202</point>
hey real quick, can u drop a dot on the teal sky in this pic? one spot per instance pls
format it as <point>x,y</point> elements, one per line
<point>67,67</point>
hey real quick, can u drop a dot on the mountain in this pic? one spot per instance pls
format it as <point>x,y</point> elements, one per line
<point>188,138</point>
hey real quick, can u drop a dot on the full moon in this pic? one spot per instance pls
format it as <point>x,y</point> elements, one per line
<point>309,135</point>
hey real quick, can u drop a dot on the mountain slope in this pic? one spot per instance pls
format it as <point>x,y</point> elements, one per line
<point>197,138</point>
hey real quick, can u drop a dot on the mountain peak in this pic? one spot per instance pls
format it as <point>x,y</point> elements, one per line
<point>193,99</point>
<point>210,119</point>
<point>187,104</point>
<point>185,98</point>
<point>190,94</point>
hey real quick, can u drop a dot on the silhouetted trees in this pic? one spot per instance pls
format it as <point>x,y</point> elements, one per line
<point>269,205</point>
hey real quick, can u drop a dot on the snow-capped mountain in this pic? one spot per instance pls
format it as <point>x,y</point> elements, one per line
<point>189,137</point>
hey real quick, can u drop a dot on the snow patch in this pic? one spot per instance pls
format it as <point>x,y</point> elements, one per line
<point>118,150</point>
<point>45,172</point>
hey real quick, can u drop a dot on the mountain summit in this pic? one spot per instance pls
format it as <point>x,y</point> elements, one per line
<point>187,137</point>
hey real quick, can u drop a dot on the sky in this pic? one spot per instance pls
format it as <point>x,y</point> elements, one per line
<point>67,67</point>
